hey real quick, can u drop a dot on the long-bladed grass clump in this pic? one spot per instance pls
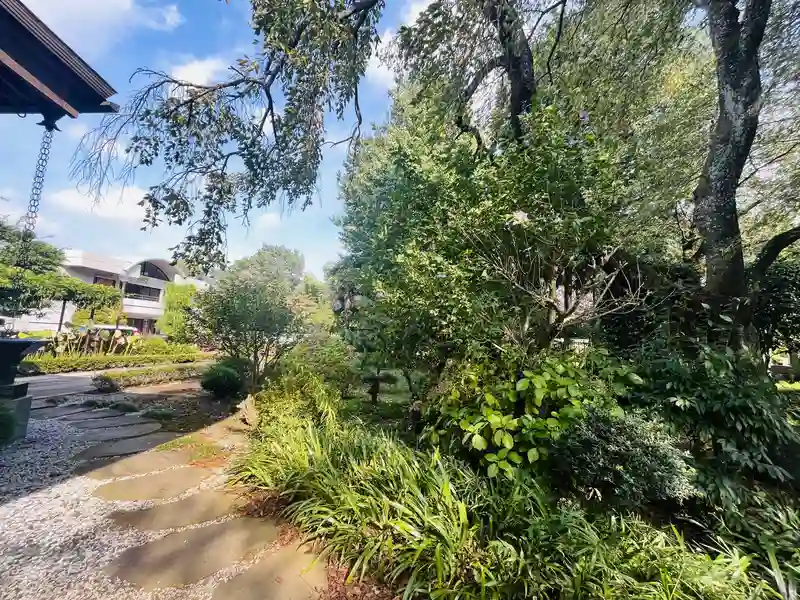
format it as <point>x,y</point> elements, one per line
<point>434,528</point>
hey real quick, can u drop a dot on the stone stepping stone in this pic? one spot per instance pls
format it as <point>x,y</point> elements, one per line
<point>207,505</point>
<point>129,446</point>
<point>185,557</point>
<point>39,403</point>
<point>102,413</point>
<point>141,464</point>
<point>291,573</point>
<point>58,411</point>
<point>157,486</point>
<point>92,423</point>
<point>120,433</point>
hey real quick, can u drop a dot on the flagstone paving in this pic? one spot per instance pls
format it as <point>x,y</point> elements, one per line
<point>129,446</point>
<point>204,506</point>
<point>91,423</point>
<point>58,411</point>
<point>158,486</point>
<point>185,557</point>
<point>147,521</point>
<point>102,413</point>
<point>120,433</point>
<point>290,573</point>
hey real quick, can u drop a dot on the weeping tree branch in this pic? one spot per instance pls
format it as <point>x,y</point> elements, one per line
<point>770,252</point>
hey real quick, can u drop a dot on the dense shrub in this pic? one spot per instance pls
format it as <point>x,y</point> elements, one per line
<point>149,376</point>
<point>507,416</point>
<point>153,344</point>
<point>41,365</point>
<point>7,424</point>
<point>222,381</point>
<point>434,526</point>
<point>329,356</point>
<point>621,460</point>
<point>242,366</point>
<point>724,404</point>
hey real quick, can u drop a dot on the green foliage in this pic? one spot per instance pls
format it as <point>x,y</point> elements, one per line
<point>177,299</point>
<point>621,460</point>
<point>776,314</point>
<point>223,382</point>
<point>40,257</point>
<point>507,416</point>
<point>765,522</point>
<point>111,315</point>
<point>7,424</point>
<point>436,529</point>
<point>724,404</point>
<point>330,357</point>
<point>242,366</point>
<point>149,376</point>
<point>247,312</point>
<point>153,344</point>
<point>23,292</point>
<point>46,365</point>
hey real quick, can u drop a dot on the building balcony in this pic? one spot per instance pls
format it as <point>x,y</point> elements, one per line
<point>140,306</point>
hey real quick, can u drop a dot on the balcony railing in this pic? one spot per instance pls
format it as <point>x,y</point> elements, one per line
<point>141,297</point>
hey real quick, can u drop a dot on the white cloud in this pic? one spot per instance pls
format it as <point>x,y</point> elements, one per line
<point>93,26</point>
<point>199,71</point>
<point>268,220</point>
<point>414,9</point>
<point>75,130</point>
<point>379,73</point>
<point>119,204</point>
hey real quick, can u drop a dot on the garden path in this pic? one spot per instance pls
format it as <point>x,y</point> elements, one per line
<point>134,518</point>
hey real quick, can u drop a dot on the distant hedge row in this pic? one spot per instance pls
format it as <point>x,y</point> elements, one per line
<point>45,365</point>
<point>117,380</point>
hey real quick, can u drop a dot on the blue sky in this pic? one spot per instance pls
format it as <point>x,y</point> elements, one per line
<point>195,40</point>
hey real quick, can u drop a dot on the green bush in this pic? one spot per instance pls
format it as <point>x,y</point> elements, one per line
<point>149,376</point>
<point>42,365</point>
<point>506,416</point>
<point>620,460</point>
<point>243,366</point>
<point>437,528</point>
<point>222,382</point>
<point>152,345</point>
<point>7,424</point>
<point>328,355</point>
<point>724,404</point>
<point>105,384</point>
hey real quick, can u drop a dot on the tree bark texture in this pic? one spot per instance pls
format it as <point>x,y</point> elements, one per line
<point>518,58</point>
<point>736,43</point>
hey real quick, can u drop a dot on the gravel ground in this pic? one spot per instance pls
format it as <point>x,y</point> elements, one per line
<point>56,538</point>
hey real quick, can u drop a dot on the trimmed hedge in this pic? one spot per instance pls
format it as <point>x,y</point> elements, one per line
<point>46,365</point>
<point>116,380</point>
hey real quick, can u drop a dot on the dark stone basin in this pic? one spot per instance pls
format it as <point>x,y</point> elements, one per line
<point>12,351</point>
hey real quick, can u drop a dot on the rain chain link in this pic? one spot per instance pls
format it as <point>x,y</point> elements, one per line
<point>36,196</point>
<point>29,220</point>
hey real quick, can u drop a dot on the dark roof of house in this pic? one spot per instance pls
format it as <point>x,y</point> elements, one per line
<point>40,74</point>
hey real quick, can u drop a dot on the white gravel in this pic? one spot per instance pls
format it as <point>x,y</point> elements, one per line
<point>55,537</point>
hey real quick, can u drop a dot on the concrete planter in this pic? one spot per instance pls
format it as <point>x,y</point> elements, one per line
<point>21,409</point>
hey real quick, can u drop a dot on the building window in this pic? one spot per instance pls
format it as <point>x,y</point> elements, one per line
<point>154,271</point>
<point>142,292</point>
<point>104,281</point>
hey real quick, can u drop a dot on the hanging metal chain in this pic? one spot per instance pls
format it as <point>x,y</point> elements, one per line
<point>29,222</point>
<point>15,293</point>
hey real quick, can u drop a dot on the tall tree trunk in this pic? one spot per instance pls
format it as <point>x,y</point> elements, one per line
<point>518,61</point>
<point>736,45</point>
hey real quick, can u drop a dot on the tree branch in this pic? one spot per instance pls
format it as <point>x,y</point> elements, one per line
<point>770,252</point>
<point>480,75</point>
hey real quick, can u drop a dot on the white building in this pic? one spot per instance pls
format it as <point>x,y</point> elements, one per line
<point>143,285</point>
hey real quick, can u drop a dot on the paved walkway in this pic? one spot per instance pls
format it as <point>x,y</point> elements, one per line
<point>135,520</point>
